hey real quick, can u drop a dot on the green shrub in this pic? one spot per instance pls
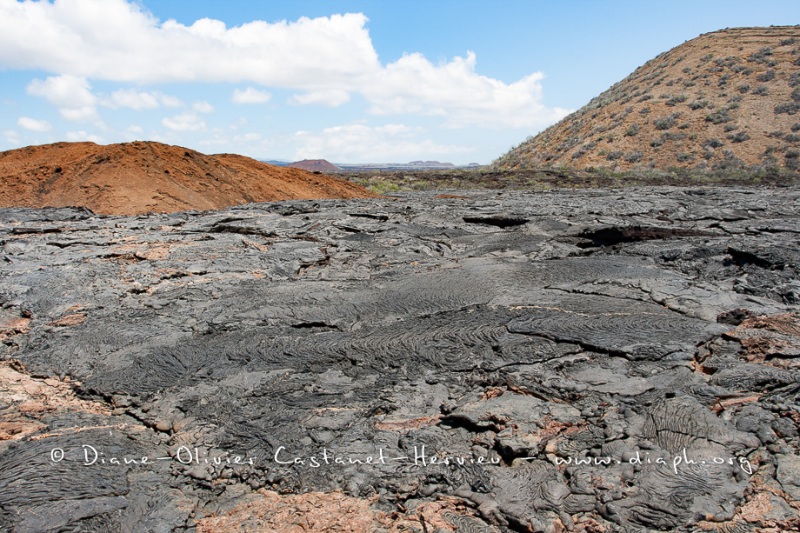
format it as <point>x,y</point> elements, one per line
<point>768,75</point>
<point>719,116</point>
<point>761,56</point>
<point>790,108</point>
<point>633,157</point>
<point>739,137</point>
<point>698,104</point>
<point>761,90</point>
<point>632,130</point>
<point>675,100</point>
<point>664,123</point>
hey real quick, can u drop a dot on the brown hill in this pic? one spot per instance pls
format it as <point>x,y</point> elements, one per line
<point>726,99</point>
<point>314,165</point>
<point>139,177</point>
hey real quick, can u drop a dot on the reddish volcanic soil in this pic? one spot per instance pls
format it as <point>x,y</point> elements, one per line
<point>140,177</point>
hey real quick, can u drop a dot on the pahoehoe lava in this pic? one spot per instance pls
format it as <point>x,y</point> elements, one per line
<point>481,361</point>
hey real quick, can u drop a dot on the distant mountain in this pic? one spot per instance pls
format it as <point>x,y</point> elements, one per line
<point>314,165</point>
<point>726,99</point>
<point>431,164</point>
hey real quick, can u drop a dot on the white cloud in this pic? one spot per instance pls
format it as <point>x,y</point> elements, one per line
<point>138,100</point>
<point>327,97</point>
<point>117,40</point>
<point>323,60</point>
<point>250,95</point>
<point>362,143</point>
<point>203,107</point>
<point>70,94</point>
<point>12,137</point>
<point>32,124</point>
<point>184,122</point>
<point>79,136</point>
<point>456,91</point>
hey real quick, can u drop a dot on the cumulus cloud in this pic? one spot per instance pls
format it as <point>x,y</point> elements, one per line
<point>323,61</point>
<point>117,40</point>
<point>79,136</point>
<point>203,107</point>
<point>138,100</point>
<point>250,95</point>
<point>32,124</point>
<point>327,97</point>
<point>363,143</point>
<point>456,91</point>
<point>184,122</point>
<point>11,138</point>
<point>72,96</point>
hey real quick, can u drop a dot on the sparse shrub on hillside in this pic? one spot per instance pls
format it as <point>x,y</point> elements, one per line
<point>761,90</point>
<point>723,80</point>
<point>613,156</point>
<point>762,56</point>
<point>683,157</point>
<point>796,126</point>
<point>796,95</point>
<point>792,159</point>
<point>687,70</point>
<point>706,58</point>
<point>675,100</point>
<point>728,163</point>
<point>632,130</point>
<point>739,137</point>
<point>788,42</point>
<point>633,157</point>
<point>713,143</point>
<point>792,137</point>
<point>790,108</point>
<point>669,136</point>
<point>664,123</point>
<point>741,69</point>
<point>775,134</point>
<point>698,104</point>
<point>734,99</point>
<point>645,97</point>
<point>728,62</point>
<point>794,79</point>
<point>644,111</point>
<point>655,143</point>
<point>766,76</point>
<point>731,127</point>
<point>743,88</point>
<point>719,116</point>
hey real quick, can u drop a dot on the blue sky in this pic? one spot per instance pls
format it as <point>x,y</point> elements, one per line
<point>348,81</point>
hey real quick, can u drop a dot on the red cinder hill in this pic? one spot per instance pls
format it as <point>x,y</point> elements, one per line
<point>140,177</point>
